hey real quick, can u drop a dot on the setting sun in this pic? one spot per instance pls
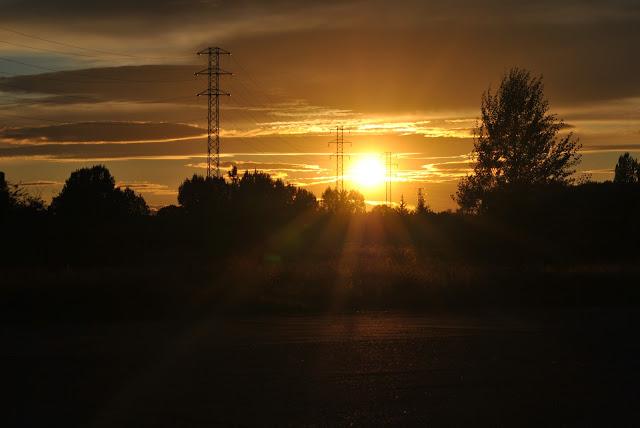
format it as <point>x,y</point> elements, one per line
<point>368,171</point>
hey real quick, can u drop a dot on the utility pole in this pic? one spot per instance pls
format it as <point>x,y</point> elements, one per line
<point>213,93</point>
<point>389,157</point>
<point>339,155</point>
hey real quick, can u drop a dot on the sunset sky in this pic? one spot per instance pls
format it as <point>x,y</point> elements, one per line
<point>113,82</point>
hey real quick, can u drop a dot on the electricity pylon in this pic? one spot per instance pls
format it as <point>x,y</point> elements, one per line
<point>213,93</point>
<point>421,205</point>
<point>339,155</point>
<point>389,164</point>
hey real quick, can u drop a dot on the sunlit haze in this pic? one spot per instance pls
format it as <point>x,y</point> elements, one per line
<point>368,171</point>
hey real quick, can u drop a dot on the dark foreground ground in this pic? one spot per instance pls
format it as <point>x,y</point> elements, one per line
<point>577,369</point>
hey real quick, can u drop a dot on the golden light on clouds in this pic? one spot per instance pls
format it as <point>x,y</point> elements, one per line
<point>125,94</point>
<point>318,122</point>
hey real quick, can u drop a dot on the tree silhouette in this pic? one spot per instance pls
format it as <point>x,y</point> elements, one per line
<point>343,202</point>
<point>516,142</point>
<point>5,195</point>
<point>233,175</point>
<point>259,193</point>
<point>90,193</point>
<point>16,202</point>
<point>402,208</point>
<point>627,170</point>
<point>253,195</point>
<point>130,203</point>
<point>421,206</point>
<point>203,195</point>
<point>304,200</point>
<point>7,198</point>
<point>382,211</point>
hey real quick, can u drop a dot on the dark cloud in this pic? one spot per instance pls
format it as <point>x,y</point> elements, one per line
<point>399,56</point>
<point>120,19</point>
<point>448,68</point>
<point>167,10</point>
<point>124,14</point>
<point>102,151</point>
<point>147,83</point>
<point>102,131</point>
<point>156,149</point>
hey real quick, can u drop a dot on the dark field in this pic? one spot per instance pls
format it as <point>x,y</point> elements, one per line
<point>526,317</point>
<point>579,368</point>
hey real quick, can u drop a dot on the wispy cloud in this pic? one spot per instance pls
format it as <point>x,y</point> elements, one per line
<point>39,183</point>
<point>146,187</point>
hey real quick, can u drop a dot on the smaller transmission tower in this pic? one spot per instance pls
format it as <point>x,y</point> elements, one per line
<point>390,165</point>
<point>213,93</point>
<point>421,205</point>
<point>339,155</point>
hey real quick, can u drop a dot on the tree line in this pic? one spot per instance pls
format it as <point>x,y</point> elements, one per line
<point>524,176</point>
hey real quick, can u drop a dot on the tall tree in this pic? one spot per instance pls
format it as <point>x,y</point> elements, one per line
<point>517,142</point>
<point>421,206</point>
<point>402,208</point>
<point>627,170</point>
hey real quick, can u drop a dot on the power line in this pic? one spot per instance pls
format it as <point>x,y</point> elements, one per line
<point>213,93</point>
<point>290,144</point>
<point>69,45</point>
<point>85,99</point>
<point>20,45</point>
<point>264,100</point>
<point>83,72</point>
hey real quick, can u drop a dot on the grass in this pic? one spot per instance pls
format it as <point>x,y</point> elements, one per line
<point>356,278</point>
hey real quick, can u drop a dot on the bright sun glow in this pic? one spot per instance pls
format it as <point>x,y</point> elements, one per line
<point>368,171</point>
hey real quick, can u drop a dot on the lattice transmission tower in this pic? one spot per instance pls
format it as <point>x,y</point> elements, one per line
<point>213,93</point>
<point>390,165</point>
<point>339,155</point>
